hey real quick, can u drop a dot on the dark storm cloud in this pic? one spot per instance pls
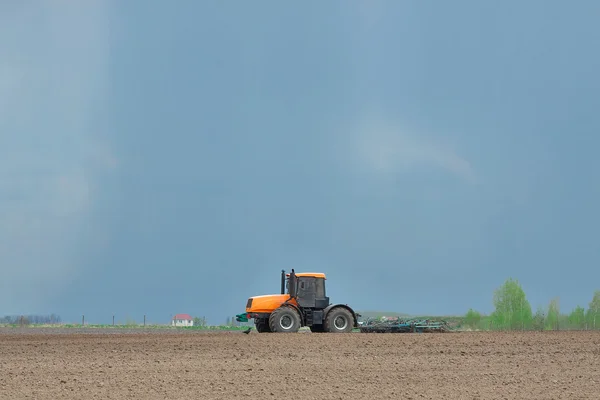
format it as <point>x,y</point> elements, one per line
<point>53,77</point>
<point>419,157</point>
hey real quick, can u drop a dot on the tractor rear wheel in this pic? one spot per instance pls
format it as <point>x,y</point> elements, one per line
<point>284,319</point>
<point>262,326</point>
<point>339,320</point>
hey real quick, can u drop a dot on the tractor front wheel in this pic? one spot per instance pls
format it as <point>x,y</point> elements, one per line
<point>262,326</point>
<point>339,320</point>
<point>284,319</point>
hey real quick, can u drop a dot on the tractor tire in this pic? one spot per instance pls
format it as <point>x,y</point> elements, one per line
<point>285,319</point>
<point>339,320</point>
<point>262,326</point>
<point>317,329</point>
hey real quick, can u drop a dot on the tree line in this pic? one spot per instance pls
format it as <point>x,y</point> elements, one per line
<point>512,311</point>
<point>30,319</point>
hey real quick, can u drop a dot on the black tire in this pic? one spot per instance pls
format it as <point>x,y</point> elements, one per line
<point>262,326</point>
<point>339,320</point>
<point>284,320</point>
<point>317,329</point>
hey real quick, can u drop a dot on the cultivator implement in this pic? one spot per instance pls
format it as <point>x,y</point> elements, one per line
<point>404,326</point>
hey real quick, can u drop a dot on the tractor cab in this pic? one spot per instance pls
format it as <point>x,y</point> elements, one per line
<point>308,288</point>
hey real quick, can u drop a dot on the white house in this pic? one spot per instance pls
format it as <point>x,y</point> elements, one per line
<point>182,320</point>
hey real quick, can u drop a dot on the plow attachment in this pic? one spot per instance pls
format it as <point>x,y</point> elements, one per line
<point>404,326</point>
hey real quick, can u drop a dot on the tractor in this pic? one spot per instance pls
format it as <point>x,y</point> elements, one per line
<point>302,302</point>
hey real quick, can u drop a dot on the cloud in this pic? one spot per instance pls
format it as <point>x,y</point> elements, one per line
<point>53,80</point>
<point>387,148</point>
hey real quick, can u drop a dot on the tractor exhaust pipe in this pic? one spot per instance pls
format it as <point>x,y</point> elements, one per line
<point>282,281</point>
<point>293,284</point>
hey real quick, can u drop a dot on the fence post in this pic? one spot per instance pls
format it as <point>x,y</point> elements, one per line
<point>113,320</point>
<point>83,320</point>
<point>144,320</point>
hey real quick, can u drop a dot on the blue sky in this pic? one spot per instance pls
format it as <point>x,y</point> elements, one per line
<point>159,159</point>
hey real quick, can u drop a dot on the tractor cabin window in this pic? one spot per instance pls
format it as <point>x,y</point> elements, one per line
<point>320,289</point>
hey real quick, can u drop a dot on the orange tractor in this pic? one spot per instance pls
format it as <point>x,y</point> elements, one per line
<point>302,302</point>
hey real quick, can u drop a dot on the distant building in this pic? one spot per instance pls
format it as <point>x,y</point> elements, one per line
<point>182,320</point>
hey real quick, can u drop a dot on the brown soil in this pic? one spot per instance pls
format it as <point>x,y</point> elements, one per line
<point>554,365</point>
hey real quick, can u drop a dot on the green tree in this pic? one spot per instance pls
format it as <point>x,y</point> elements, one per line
<point>539,319</point>
<point>577,318</point>
<point>593,314</point>
<point>512,310</point>
<point>472,318</point>
<point>553,315</point>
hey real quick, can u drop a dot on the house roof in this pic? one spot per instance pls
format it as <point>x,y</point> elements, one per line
<point>183,316</point>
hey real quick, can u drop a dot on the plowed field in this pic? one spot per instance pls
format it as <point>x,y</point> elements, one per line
<point>553,365</point>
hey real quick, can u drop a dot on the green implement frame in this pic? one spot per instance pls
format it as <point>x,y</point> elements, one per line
<point>241,317</point>
<point>404,326</point>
